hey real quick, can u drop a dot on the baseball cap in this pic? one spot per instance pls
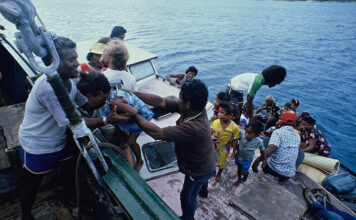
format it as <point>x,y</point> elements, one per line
<point>288,118</point>
<point>98,48</point>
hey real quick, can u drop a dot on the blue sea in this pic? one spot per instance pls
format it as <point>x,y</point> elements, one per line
<point>315,41</point>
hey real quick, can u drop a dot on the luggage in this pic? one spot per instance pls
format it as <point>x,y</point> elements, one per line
<point>340,183</point>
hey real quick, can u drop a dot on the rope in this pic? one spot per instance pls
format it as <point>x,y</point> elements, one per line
<point>40,20</point>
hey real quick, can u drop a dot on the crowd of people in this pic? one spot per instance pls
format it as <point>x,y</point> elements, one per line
<point>108,98</point>
<point>282,135</point>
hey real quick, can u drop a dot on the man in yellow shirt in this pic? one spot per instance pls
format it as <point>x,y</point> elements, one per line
<point>224,133</point>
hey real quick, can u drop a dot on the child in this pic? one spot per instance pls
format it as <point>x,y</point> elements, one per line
<point>294,105</point>
<point>243,119</point>
<point>220,97</point>
<point>286,108</point>
<point>119,98</point>
<point>249,142</point>
<point>224,131</point>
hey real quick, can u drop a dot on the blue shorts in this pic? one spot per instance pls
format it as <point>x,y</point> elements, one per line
<point>244,164</point>
<point>43,163</point>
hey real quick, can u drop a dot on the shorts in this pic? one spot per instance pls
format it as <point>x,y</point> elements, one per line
<point>244,164</point>
<point>222,153</point>
<point>237,97</point>
<point>43,163</point>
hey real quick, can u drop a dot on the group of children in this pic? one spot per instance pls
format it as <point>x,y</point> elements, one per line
<point>244,138</point>
<point>227,134</point>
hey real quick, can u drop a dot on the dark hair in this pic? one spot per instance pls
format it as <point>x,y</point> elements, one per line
<point>256,126</point>
<point>104,40</point>
<point>274,74</point>
<point>305,114</point>
<point>89,56</point>
<point>295,102</point>
<point>61,43</point>
<point>288,105</point>
<point>227,106</point>
<point>196,92</point>
<point>192,69</point>
<point>223,96</point>
<point>92,83</point>
<point>117,31</point>
<point>309,120</point>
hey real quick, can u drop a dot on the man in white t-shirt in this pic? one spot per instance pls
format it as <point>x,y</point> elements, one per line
<point>252,82</point>
<point>115,57</point>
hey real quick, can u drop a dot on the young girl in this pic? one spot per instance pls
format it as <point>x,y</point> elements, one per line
<point>249,142</point>
<point>119,98</point>
<point>286,108</point>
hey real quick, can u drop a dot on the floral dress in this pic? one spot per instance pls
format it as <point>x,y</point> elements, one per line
<point>322,147</point>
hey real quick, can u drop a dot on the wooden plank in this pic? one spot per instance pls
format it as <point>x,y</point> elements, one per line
<point>269,199</point>
<point>10,120</point>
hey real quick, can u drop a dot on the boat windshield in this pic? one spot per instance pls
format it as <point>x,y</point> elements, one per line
<point>142,70</point>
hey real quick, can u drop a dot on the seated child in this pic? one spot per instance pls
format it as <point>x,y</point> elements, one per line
<point>249,142</point>
<point>220,97</point>
<point>119,98</point>
<point>224,132</point>
<point>294,105</point>
<point>286,108</point>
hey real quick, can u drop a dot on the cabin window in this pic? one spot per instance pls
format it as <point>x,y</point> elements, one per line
<point>159,155</point>
<point>142,70</point>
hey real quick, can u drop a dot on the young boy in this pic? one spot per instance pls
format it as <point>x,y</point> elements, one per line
<point>220,97</point>
<point>224,132</point>
<point>249,142</point>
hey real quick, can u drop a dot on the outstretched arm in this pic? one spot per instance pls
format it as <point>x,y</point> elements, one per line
<point>123,107</point>
<point>169,77</point>
<point>151,99</point>
<point>112,118</point>
<point>249,106</point>
<point>264,155</point>
<point>148,127</point>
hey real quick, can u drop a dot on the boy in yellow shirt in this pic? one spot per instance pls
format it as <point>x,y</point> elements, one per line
<point>224,134</point>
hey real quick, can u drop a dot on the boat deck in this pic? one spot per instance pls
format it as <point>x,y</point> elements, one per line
<point>260,197</point>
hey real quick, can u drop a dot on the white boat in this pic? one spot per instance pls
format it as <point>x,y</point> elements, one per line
<point>261,197</point>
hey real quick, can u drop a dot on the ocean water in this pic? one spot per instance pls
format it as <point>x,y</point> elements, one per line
<point>314,41</point>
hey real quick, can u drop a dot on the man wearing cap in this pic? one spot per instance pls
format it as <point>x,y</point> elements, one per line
<point>282,150</point>
<point>93,57</point>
